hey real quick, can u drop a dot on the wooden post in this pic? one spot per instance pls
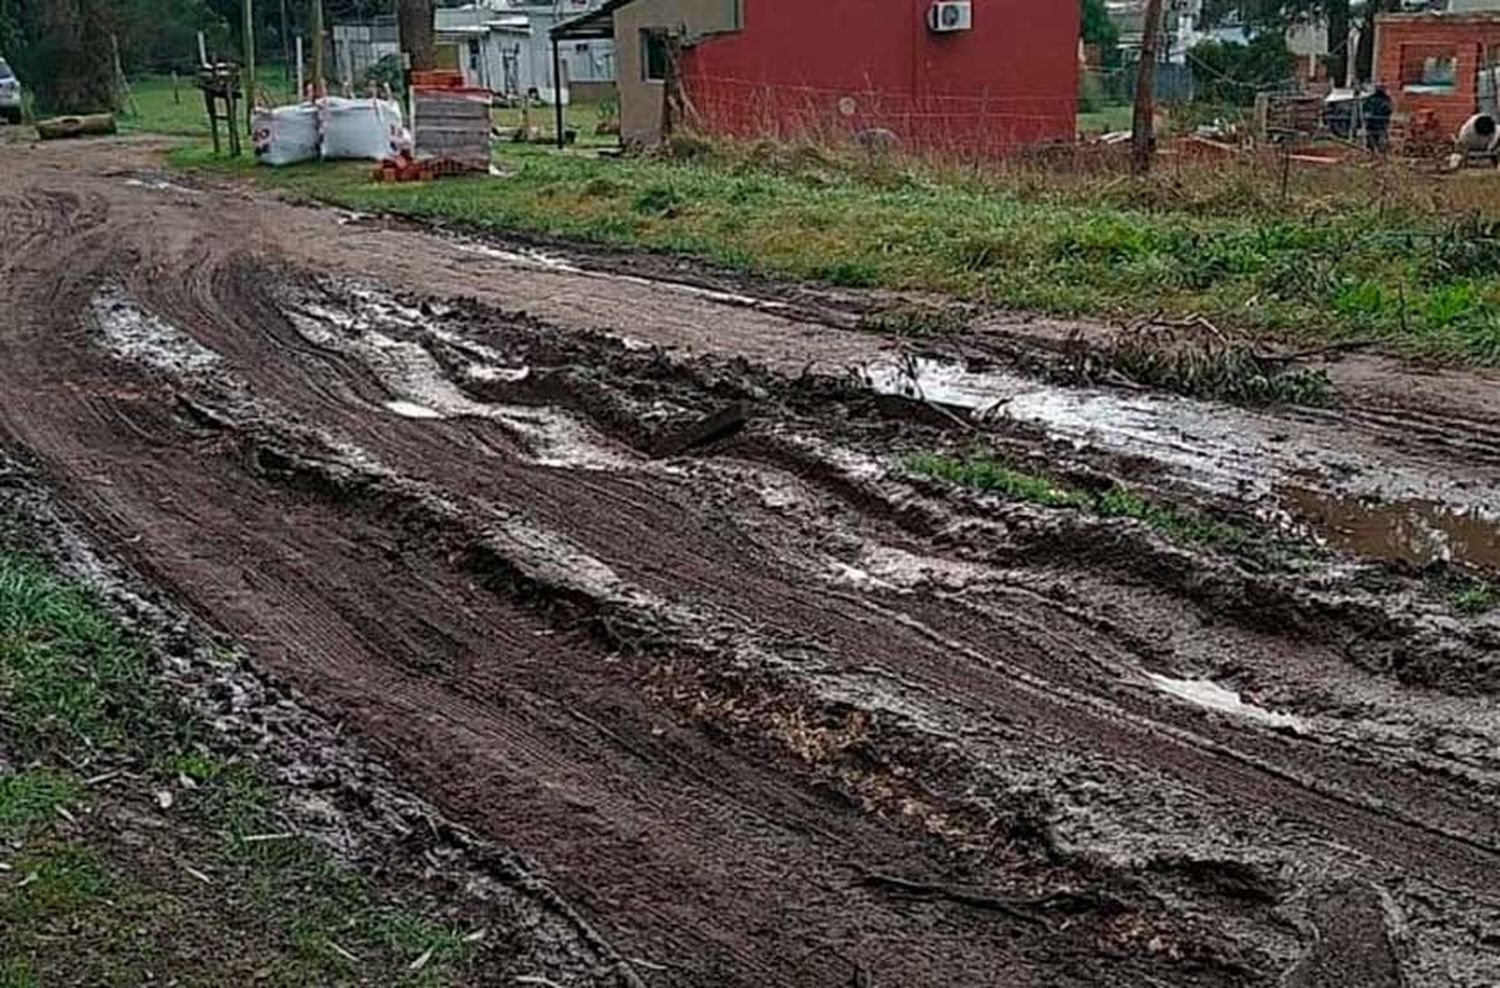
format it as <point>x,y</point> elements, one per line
<point>317,40</point>
<point>557,89</point>
<point>286,48</point>
<point>301,82</point>
<point>209,101</point>
<point>1145,94</point>
<point>248,9</point>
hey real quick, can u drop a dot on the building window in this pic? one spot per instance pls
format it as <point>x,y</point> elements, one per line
<point>654,55</point>
<point>1429,68</point>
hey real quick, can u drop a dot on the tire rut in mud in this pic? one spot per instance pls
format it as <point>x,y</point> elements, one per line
<point>773,679</point>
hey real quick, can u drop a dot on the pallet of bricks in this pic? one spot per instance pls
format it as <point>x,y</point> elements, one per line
<point>451,123</point>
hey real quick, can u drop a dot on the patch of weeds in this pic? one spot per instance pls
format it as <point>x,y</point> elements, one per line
<point>1475,597</point>
<point>992,476</point>
<point>849,273</point>
<point>916,320</point>
<point>658,200</point>
<point>33,796</point>
<point>17,974</point>
<point>1210,369</point>
<point>75,688</point>
<point>1174,523</point>
<point>57,879</point>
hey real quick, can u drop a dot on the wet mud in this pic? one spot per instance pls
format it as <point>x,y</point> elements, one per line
<point>628,577</point>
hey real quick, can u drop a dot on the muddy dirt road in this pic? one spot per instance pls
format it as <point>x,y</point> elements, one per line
<point>768,710</point>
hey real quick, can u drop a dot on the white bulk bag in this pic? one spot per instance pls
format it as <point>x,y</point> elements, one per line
<point>363,129</point>
<point>286,135</point>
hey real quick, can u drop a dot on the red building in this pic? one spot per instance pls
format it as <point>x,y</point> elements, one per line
<point>970,77</point>
<point>1436,62</point>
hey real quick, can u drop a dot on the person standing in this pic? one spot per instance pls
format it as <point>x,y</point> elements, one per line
<point>1378,112</point>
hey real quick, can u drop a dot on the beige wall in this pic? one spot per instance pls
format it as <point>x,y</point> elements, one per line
<point>641,101</point>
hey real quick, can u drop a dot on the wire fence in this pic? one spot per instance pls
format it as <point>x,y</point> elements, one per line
<point>956,122</point>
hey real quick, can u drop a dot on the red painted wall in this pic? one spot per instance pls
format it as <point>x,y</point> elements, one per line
<point>837,67</point>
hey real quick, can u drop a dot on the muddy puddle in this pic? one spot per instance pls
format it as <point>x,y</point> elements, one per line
<point>133,334</point>
<point>1416,532</point>
<point>1209,695</point>
<point>374,329</point>
<point>1319,478</point>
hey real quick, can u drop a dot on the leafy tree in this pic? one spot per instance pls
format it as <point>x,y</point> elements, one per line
<point>1229,72</point>
<point>1098,29</point>
<point>68,54</point>
<point>1281,15</point>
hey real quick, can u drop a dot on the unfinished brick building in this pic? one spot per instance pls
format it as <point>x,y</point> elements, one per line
<point>1445,63</point>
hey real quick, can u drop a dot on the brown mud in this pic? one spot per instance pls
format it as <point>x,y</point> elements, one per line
<point>767,710</point>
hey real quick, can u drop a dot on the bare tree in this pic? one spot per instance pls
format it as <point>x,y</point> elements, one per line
<point>414,17</point>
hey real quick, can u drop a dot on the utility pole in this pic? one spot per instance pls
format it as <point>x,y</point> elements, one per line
<point>1145,96</point>
<point>249,46</point>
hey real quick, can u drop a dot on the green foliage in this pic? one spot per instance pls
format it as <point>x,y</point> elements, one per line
<point>1232,73</point>
<point>95,909</point>
<point>386,72</point>
<point>1476,597</point>
<point>1096,27</point>
<point>64,665</point>
<point>1340,254</point>
<point>988,475</point>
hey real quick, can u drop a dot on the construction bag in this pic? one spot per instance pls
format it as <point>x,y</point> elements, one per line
<point>362,129</point>
<point>286,135</point>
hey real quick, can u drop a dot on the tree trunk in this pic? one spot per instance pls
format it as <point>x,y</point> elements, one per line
<point>414,18</point>
<point>1338,41</point>
<point>1142,139</point>
<point>74,42</point>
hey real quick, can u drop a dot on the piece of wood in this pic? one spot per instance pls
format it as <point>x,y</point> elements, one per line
<point>92,124</point>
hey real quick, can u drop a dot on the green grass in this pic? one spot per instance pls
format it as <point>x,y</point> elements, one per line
<point>1476,597</point>
<point>992,476</point>
<point>989,476</point>
<point>584,118</point>
<point>1106,119</point>
<point>82,904</point>
<point>156,107</point>
<point>1367,252</point>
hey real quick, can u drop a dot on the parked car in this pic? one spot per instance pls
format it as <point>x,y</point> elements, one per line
<point>10,94</point>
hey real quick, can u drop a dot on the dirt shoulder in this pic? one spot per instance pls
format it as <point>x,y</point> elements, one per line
<point>779,708</point>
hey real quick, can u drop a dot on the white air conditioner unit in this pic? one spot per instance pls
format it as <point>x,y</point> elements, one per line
<point>951,15</point>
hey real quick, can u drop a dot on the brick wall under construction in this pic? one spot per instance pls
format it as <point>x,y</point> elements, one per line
<point>1410,48</point>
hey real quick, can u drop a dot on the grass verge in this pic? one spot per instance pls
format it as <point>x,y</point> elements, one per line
<point>137,848</point>
<point>1369,251</point>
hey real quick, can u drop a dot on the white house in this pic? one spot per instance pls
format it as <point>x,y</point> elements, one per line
<point>505,46</point>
